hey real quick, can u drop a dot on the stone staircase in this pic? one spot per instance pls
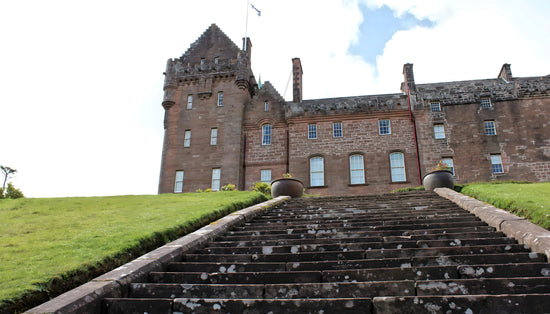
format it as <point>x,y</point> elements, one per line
<point>396,253</point>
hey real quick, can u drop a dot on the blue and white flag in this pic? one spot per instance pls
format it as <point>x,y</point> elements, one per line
<point>253,7</point>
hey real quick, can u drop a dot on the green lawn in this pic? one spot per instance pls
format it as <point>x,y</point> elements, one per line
<point>531,201</point>
<point>44,239</point>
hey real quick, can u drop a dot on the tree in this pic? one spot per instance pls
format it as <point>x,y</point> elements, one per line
<point>6,171</point>
<point>11,191</point>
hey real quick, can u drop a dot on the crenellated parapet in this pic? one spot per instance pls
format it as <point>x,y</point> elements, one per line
<point>347,105</point>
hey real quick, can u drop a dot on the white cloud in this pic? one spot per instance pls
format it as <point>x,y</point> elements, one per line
<point>82,81</point>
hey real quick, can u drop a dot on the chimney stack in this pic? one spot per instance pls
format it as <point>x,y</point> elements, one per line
<point>409,78</point>
<point>297,80</point>
<point>506,73</point>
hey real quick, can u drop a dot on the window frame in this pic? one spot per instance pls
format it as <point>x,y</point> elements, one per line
<point>451,164</point>
<point>490,127</point>
<point>353,170</point>
<point>213,136</point>
<point>266,106</point>
<point>220,99</point>
<point>386,128</point>
<point>439,134</point>
<point>267,132</point>
<point>187,138</point>
<point>435,106</point>
<point>316,176</point>
<point>216,179</point>
<point>189,101</point>
<point>396,167</point>
<point>486,102</point>
<point>264,178</point>
<point>495,166</point>
<point>312,131</point>
<point>178,183</point>
<point>337,130</point>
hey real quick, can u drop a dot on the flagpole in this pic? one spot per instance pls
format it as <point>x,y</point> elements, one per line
<point>246,27</point>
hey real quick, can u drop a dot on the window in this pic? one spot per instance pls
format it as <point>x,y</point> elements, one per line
<point>356,169</point>
<point>265,176</point>
<point>312,131</point>
<point>266,134</point>
<point>384,127</point>
<point>189,101</point>
<point>496,163</point>
<point>214,136</point>
<point>439,131</point>
<point>397,163</point>
<point>220,99</point>
<point>337,129</point>
<point>316,171</point>
<point>216,60</point>
<point>216,174</point>
<point>486,102</point>
<point>178,186</point>
<point>435,106</point>
<point>449,162</point>
<point>490,128</point>
<point>266,106</point>
<point>203,62</point>
<point>187,140</point>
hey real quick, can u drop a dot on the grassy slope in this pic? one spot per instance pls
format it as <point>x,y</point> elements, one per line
<point>531,201</point>
<point>44,238</point>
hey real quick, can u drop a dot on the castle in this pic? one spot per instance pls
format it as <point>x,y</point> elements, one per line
<point>222,127</point>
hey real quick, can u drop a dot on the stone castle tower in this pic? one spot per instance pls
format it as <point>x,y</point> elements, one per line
<point>221,128</point>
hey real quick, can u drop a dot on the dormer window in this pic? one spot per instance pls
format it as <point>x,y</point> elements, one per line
<point>435,106</point>
<point>216,60</point>
<point>202,61</point>
<point>486,102</point>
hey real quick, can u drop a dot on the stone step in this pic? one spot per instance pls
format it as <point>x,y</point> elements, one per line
<point>519,285</point>
<point>504,303</point>
<point>185,305</point>
<point>236,278</point>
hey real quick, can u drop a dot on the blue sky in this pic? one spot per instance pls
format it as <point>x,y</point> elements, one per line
<point>81,81</point>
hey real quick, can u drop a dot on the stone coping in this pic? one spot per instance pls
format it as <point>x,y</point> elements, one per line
<point>87,297</point>
<point>533,236</point>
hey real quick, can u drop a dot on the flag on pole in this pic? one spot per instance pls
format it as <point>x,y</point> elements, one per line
<point>259,12</point>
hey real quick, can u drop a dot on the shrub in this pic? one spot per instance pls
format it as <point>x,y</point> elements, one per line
<point>262,187</point>
<point>229,187</point>
<point>11,192</point>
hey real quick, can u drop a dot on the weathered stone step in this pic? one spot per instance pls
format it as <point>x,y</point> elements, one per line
<point>275,291</point>
<point>236,278</point>
<point>465,242</point>
<point>218,267</point>
<point>519,285</point>
<point>185,305</point>
<point>498,270</point>
<point>389,214</point>
<point>391,274</point>
<point>479,259</point>
<point>314,247</point>
<point>345,228</point>
<point>505,303</point>
<point>447,236</point>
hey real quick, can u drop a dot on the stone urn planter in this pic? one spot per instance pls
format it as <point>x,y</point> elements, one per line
<point>287,186</point>
<point>438,179</point>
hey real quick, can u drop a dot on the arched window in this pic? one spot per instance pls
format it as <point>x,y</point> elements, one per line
<point>397,163</point>
<point>316,171</point>
<point>356,169</point>
<point>266,134</point>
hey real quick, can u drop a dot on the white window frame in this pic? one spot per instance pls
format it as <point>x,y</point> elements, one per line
<point>486,102</point>
<point>312,131</point>
<point>187,138</point>
<point>265,175</point>
<point>496,164</point>
<point>397,165</point>
<point>214,136</point>
<point>356,169</point>
<point>266,134</point>
<point>435,106</point>
<point>189,101</point>
<point>449,162</point>
<point>216,179</point>
<point>178,184</point>
<point>490,127</point>
<point>316,171</point>
<point>337,129</point>
<point>439,131</point>
<point>384,127</point>
<point>220,99</point>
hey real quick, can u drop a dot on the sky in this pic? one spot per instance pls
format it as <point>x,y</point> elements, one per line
<point>81,81</point>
